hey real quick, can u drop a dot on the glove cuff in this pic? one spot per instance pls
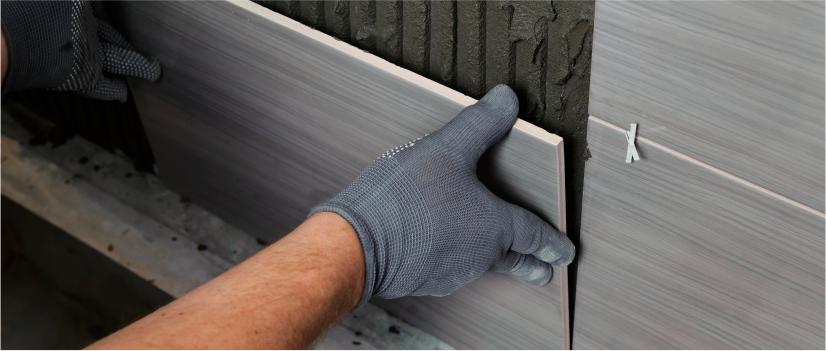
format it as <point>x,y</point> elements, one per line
<point>38,40</point>
<point>366,240</point>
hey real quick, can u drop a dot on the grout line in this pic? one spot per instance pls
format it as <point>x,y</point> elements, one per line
<point>564,300</point>
<point>715,170</point>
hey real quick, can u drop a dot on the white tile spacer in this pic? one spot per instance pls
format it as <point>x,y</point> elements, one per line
<point>631,154</point>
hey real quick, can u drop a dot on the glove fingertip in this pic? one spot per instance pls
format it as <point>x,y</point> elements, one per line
<point>154,70</point>
<point>559,252</point>
<point>125,62</point>
<point>503,99</point>
<point>481,125</point>
<point>499,110</point>
<point>109,34</point>
<point>525,268</point>
<point>540,276</point>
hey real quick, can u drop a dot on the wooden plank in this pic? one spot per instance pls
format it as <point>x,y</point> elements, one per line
<point>736,84</point>
<point>258,118</point>
<point>676,254</point>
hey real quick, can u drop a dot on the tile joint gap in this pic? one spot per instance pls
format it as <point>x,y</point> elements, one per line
<point>713,169</point>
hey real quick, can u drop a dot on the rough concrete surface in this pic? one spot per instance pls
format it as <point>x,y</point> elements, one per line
<point>540,48</point>
<point>58,293</point>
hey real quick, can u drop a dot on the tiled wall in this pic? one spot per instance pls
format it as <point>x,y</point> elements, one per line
<point>540,48</point>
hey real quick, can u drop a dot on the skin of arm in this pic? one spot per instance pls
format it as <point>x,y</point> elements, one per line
<point>283,297</point>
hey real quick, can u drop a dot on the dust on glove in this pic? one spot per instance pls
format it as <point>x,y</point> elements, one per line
<point>426,223</point>
<point>61,45</point>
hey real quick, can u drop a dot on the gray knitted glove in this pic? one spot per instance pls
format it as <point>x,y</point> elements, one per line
<point>62,45</point>
<point>427,224</point>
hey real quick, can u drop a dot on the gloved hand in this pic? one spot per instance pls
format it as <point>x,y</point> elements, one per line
<point>428,226</point>
<point>62,45</point>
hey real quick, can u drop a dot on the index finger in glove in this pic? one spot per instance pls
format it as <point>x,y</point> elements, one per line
<point>126,62</point>
<point>482,124</point>
<point>525,268</point>
<point>109,34</point>
<point>533,236</point>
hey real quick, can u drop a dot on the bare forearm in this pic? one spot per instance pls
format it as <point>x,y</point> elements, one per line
<point>283,297</point>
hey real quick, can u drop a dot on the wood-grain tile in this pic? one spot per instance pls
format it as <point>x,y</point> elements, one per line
<point>675,254</point>
<point>736,84</point>
<point>258,118</point>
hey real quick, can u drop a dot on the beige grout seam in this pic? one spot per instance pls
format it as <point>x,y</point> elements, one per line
<point>715,170</point>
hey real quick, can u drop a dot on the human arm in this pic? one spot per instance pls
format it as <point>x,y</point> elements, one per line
<point>282,297</point>
<point>422,222</point>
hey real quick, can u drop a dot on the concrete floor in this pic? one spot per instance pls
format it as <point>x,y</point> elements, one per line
<point>58,293</point>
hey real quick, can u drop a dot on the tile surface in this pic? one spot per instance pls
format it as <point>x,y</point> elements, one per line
<point>736,84</point>
<point>542,49</point>
<point>675,254</point>
<point>257,118</point>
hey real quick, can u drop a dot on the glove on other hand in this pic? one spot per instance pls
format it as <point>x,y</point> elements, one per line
<point>428,226</point>
<point>62,45</point>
